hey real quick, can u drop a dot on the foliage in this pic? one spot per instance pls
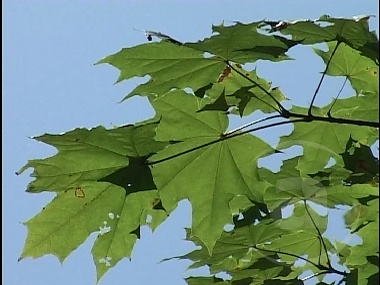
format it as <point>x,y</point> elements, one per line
<point>113,181</point>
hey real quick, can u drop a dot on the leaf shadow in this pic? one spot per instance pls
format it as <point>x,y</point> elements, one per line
<point>135,177</point>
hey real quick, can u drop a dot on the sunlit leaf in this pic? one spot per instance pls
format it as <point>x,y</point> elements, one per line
<point>168,65</point>
<point>361,71</point>
<point>89,155</point>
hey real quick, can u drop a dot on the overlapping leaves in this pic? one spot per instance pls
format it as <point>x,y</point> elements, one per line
<point>353,32</point>
<point>211,176</point>
<point>89,155</point>
<point>113,181</point>
<point>115,208</point>
<point>254,253</point>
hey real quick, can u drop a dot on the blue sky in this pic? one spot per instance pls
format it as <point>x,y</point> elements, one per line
<point>51,86</point>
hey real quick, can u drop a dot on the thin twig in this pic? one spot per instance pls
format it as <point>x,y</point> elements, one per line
<point>336,98</point>
<point>314,275</point>
<point>222,138</point>
<point>323,76</point>
<point>320,267</point>
<point>251,124</point>
<point>319,235</point>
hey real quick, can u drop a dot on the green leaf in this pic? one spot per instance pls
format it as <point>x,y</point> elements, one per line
<point>111,247</point>
<point>322,140</point>
<point>220,104</point>
<point>365,108</point>
<point>367,274</point>
<point>89,155</point>
<point>364,222</point>
<point>213,173</point>
<point>289,186</point>
<point>169,66</point>
<point>354,32</point>
<point>242,91</point>
<point>242,43</point>
<point>68,220</point>
<point>363,165</point>
<point>362,72</point>
<point>206,281</point>
<point>237,244</point>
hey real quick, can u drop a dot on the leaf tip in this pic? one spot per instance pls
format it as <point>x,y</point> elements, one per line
<point>22,169</point>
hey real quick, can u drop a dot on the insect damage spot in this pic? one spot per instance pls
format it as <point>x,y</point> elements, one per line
<point>105,260</point>
<point>104,229</point>
<point>226,71</point>
<point>79,193</point>
<point>148,219</point>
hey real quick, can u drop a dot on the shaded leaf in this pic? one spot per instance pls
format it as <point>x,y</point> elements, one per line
<point>89,155</point>
<point>323,140</point>
<point>352,31</point>
<point>243,43</point>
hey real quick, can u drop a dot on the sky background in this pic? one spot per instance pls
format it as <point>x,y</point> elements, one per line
<point>51,86</point>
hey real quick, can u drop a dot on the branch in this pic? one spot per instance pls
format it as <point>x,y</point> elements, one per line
<point>340,91</point>
<point>314,275</point>
<point>323,76</point>
<point>252,123</point>
<point>222,138</point>
<point>319,266</point>
<point>310,118</point>
<point>319,235</point>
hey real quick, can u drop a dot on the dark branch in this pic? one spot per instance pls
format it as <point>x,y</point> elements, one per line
<point>336,98</point>
<point>319,235</point>
<point>252,123</point>
<point>222,138</point>
<point>315,275</point>
<point>301,118</point>
<point>310,118</point>
<point>323,76</point>
<point>319,266</point>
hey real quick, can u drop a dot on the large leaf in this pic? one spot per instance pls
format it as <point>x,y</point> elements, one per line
<point>290,186</point>
<point>168,65</point>
<point>362,72</point>
<point>73,215</point>
<point>365,108</point>
<point>111,182</point>
<point>89,155</point>
<point>242,43</point>
<point>246,251</point>
<point>213,173</point>
<point>354,32</point>
<point>237,244</point>
<point>323,140</point>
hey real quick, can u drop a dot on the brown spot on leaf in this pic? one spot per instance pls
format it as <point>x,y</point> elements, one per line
<point>226,71</point>
<point>79,193</point>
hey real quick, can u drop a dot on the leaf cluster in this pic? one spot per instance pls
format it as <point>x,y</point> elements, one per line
<point>113,181</point>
